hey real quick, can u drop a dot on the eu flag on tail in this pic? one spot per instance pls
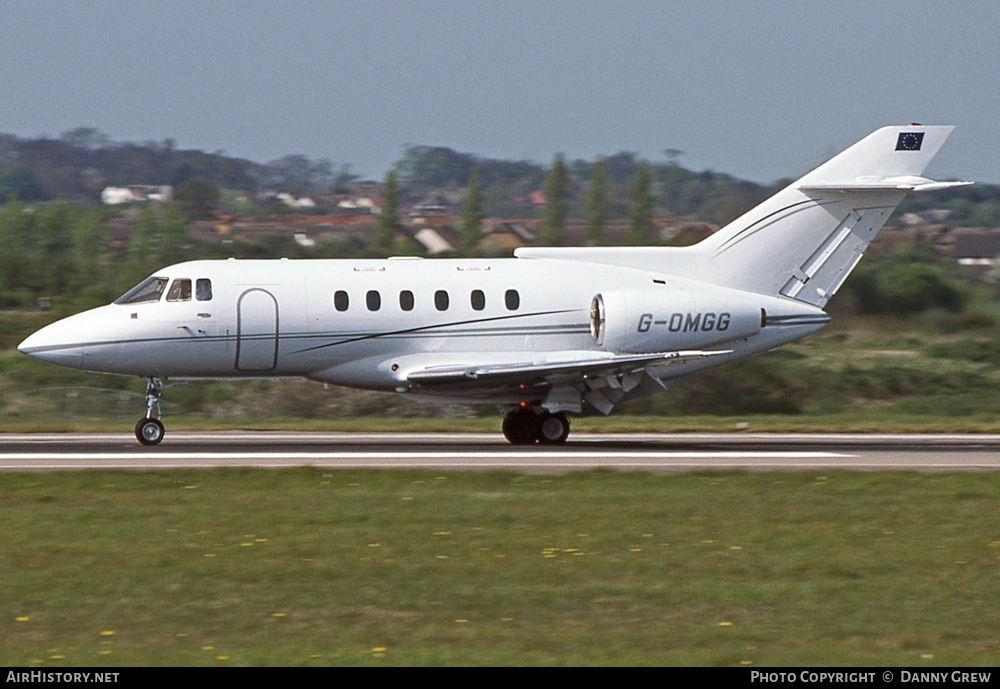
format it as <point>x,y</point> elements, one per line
<point>909,141</point>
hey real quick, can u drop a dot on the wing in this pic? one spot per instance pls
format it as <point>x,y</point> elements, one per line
<point>535,373</point>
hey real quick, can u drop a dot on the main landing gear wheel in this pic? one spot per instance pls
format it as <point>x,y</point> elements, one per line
<point>149,431</point>
<point>524,427</point>
<point>520,427</point>
<point>553,429</point>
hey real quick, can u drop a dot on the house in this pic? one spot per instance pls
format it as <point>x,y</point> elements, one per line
<point>136,193</point>
<point>293,202</point>
<point>432,240</point>
<point>976,251</point>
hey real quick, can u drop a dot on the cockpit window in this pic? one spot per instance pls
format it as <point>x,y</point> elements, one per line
<point>203,289</point>
<point>180,290</point>
<point>149,290</point>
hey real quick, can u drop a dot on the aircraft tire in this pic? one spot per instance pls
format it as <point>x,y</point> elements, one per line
<point>149,431</point>
<point>553,429</point>
<point>520,427</point>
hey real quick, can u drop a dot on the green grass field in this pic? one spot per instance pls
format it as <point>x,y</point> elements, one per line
<point>306,567</point>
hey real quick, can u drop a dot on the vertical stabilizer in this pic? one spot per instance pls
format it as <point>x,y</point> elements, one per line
<point>804,241</point>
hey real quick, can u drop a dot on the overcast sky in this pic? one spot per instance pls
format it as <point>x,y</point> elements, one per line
<point>760,90</point>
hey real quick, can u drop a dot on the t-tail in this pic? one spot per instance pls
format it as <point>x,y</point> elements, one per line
<point>804,241</point>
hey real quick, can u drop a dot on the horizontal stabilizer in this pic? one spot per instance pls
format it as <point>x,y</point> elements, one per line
<point>526,372</point>
<point>902,183</point>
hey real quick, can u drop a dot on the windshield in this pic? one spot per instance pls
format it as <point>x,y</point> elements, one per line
<point>148,290</point>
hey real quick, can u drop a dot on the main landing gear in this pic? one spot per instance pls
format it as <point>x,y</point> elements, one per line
<point>149,429</point>
<point>524,426</point>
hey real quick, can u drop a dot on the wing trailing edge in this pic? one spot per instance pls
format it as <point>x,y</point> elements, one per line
<point>533,372</point>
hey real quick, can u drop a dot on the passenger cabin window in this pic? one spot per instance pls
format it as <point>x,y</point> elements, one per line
<point>340,300</point>
<point>441,300</point>
<point>478,300</point>
<point>512,300</point>
<point>373,300</point>
<point>203,289</point>
<point>180,290</point>
<point>406,300</point>
<point>147,291</point>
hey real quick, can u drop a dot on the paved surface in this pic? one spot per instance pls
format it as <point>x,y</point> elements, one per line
<point>626,452</point>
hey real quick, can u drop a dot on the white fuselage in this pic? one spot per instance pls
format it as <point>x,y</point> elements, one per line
<point>371,323</point>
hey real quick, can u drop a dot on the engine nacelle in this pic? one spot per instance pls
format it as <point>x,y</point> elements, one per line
<point>671,319</point>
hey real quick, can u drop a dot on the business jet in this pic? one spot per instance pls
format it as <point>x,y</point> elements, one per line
<point>541,335</point>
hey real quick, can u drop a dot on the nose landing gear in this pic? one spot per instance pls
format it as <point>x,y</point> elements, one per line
<point>149,429</point>
<point>524,427</point>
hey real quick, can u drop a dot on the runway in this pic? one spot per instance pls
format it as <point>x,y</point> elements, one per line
<point>659,453</point>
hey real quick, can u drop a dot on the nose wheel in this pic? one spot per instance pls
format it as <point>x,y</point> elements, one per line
<point>149,430</point>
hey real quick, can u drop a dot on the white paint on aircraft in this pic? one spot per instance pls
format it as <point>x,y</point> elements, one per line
<point>546,333</point>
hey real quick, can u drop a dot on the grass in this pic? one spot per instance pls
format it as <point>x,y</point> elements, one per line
<point>305,567</point>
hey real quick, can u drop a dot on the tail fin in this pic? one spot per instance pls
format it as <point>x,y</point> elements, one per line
<point>804,241</point>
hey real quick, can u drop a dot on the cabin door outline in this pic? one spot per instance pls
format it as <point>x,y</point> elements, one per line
<point>256,331</point>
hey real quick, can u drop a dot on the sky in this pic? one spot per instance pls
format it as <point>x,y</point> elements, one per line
<point>759,90</point>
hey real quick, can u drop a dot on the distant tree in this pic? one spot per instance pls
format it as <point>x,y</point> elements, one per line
<point>9,145</point>
<point>321,173</point>
<point>672,154</point>
<point>51,235</point>
<point>578,169</point>
<point>88,237</point>
<point>472,213</point>
<point>672,176</point>
<point>343,178</point>
<point>908,281</point>
<point>556,204</point>
<point>197,198</point>
<point>621,166</point>
<point>427,168</point>
<point>299,174</point>
<point>289,173</point>
<point>388,218</point>
<point>142,255</point>
<point>641,228</point>
<point>86,138</point>
<point>597,204</point>
<point>19,257</point>
<point>173,235</point>
<point>156,240</point>
<point>986,214</point>
<point>16,181</point>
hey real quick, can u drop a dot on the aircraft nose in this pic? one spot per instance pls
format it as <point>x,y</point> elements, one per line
<point>54,344</point>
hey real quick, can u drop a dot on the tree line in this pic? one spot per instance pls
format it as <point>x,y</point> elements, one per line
<point>65,245</point>
<point>79,163</point>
